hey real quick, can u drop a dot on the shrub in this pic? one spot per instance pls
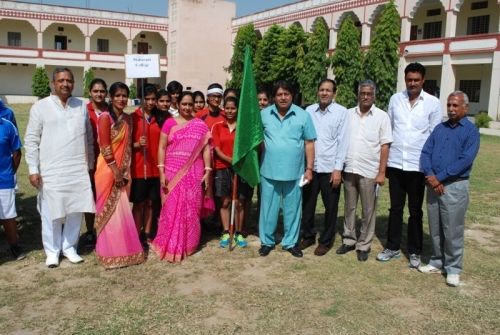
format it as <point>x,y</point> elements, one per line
<point>40,83</point>
<point>133,91</point>
<point>482,120</point>
<point>88,76</point>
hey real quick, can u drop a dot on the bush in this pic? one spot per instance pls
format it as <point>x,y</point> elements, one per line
<point>40,83</point>
<point>133,91</point>
<point>88,76</point>
<point>482,120</point>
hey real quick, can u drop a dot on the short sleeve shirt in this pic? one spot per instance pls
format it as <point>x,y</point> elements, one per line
<point>9,143</point>
<point>283,157</point>
<point>151,130</point>
<point>223,138</point>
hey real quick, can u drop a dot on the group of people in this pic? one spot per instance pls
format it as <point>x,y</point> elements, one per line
<point>173,156</point>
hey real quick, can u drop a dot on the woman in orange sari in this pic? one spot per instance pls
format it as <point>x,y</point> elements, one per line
<point>118,243</point>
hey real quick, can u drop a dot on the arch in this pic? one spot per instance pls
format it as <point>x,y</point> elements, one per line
<point>75,38</point>
<point>319,20</point>
<point>375,15</point>
<point>344,15</point>
<point>117,42</point>
<point>412,10</point>
<point>24,27</point>
<point>258,34</point>
<point>156,43</point>
<point>426,25</point>
<point>297,24</point>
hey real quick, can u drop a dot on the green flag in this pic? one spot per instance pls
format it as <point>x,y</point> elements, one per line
<point>249,133</point>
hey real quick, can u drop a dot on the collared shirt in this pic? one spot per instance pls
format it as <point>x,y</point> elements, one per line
<point>283,157</point>
<point>411,126</point>
<point>93,116</point>
<point>7,113</point>
<point>367,133</point>
<point>151,130</point>
<point>9,143</point>
<point>210,118</point>
<point>174,112</point>
<point>59,146</point>
<point>223,138</point>
<point>332,142</point>
<point>449,152</point>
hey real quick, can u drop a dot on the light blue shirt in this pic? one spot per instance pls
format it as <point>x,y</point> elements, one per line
<point>283,157</point>
<point>332,143</point>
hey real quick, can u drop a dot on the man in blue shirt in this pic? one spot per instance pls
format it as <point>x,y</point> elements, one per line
<point>10,156</point>
<point>446,160</point>
<point>289,135</point>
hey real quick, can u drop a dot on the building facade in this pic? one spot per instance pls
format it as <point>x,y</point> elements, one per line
<point>457,40</point>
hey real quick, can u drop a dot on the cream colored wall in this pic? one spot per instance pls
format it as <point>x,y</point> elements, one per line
<point>493,11</point>
<point>117,42</point>
<point>77,74</point>
<point>72,32</point>
<point>475,72</point>
<point>109,76</point>
<point>156,42</point>
<point>28,33</point>
<point>421,18</point>
<point>16,79</point>
<point>200,41</point>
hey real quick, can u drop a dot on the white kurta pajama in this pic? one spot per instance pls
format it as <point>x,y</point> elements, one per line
<point>59,147</point>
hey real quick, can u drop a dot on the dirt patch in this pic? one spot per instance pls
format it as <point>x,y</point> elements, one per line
<point>484,236</point>
<point>203,284</point>
<point>407,308</point>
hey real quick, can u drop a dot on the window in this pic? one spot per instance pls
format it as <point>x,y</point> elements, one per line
<point>479,5</point>
<point>434,12</point>
<point>472,88</point>
<point>102,45</point>
<point>432,29</point>
<point>478,25</point>
<point>431,87</point>
<point>13,39</point>
<point>413,33</point>
<point>60,42</point>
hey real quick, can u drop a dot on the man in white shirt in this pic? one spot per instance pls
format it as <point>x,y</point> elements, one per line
<point>59,153</point>
<point>370,136</point>
<point>414,114</point>
<point>330,120</point>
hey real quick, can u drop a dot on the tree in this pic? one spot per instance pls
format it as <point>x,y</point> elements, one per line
<point>315,62</point>
<point>246,35</point>
<point>347,62</point>
<point>381,60</point>
<point>266,55</point>
<point>133,91</point>
<point>40,83</point>
<point>88,76</point>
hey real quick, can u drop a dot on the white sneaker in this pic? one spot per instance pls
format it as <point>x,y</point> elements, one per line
<point>72,256</point>
<point>429,269</point>
<point>52,261</point>
<point>453,280</point>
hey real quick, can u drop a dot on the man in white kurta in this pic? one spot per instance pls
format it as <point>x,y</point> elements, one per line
<point>59,151</point>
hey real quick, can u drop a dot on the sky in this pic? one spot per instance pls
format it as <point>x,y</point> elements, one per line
<point>159,7</point>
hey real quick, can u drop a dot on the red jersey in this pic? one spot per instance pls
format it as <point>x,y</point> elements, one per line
<point>223,138</point>
<point>93,122</point>
<point>151,130</point>
<point>206,116</point>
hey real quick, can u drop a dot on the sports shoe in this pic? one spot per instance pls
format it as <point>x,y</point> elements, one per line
<point>17,252</point>
<point>388,254</point>
<point>453,280</point>
<point>224,240</point>
<point>240,241</point>
<point>52,261</point>
<point>72,256</point>
<point>429,269</point>
<point>414,261</point>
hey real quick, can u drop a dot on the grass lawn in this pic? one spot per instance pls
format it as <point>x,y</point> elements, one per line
<point>217,292</point>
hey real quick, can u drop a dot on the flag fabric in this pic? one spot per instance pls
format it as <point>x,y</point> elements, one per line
<point>249,132</point>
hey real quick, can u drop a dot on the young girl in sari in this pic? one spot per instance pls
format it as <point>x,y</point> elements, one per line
<point>184,165</point>
<point>118,243</point>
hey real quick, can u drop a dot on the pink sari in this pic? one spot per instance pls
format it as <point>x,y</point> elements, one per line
<point>118,243</point>
<point>179,223</point>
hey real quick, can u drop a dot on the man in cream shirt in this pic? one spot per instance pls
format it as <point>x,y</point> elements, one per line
<point>59,153</point>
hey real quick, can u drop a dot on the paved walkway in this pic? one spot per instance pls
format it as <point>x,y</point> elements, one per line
<point>494,129</point>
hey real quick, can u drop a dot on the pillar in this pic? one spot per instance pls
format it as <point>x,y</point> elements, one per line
<point>494,101</point>
<point>333,38</point>
<point>447,81</point>
<point>405,29</point>
<point>451,24</point>
<point>129,47</point>
<point>365,34</point>
<point>401,86</point>
<point>87,43</point>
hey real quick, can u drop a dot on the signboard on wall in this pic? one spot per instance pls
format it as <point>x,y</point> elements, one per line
<point>142,66</point>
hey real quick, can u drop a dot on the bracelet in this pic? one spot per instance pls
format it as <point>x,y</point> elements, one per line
<point>160,165</point>
<point>111,163</point>
<point>208,168</point>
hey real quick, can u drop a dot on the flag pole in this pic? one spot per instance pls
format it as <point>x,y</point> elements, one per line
<point>234,198</point>
<point>143,129</point>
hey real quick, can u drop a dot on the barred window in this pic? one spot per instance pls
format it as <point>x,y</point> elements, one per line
<point>472,88</point>
<point>14,39</point>
<point>479,5</point>
<point>432,29</point>
<point>102,45</point>
<point>478,25</point>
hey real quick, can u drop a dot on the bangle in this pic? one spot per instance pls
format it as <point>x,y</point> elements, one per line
<point>208,168</point>
<point>160,165</point>
<point>111,163</point>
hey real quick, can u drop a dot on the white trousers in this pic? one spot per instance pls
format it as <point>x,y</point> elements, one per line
<point>56,239</point>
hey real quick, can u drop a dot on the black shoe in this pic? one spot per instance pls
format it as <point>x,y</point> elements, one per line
<point>363,255</point>
<point>17,252</point>
<point>88,239</point>
<point>295,251</point>
<point>265,250</point>
<point>344,248</point>
<point>306,243</point>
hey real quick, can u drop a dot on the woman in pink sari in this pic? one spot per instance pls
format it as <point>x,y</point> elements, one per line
<point>185,180</point>
<point>118,243</point>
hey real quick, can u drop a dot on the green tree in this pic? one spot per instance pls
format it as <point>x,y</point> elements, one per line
<point>246,35</point>
<point>381,60</point>
<point>133,91</point>
<point>347,63</point>
<point>88,76</point>
<point>266,55</point>
<point>40,83</point>
<point>313,68</point>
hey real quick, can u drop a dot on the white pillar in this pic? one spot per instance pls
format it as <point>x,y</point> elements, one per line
<point>129,47</point>
<point>447,81</point>
<point>333,38</point>
<point>451,24</point>
<point>365,34</point>
<point>87,43</point>
<point>39,40</point>
<point>494,102</point>
<point>401,74</point>
<point>405,29</point>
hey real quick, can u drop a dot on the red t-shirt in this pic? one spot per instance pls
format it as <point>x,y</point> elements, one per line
<point>93,121</point>
<point>209,119</point>
<point>223,139</point>
<point>151,130</point>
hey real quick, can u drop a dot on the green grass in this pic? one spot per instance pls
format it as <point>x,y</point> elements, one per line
<point>217,292</point>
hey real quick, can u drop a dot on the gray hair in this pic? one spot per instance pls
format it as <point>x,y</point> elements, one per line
<point>369,83</point>
<point>61,69</point>
<point>460,93</point>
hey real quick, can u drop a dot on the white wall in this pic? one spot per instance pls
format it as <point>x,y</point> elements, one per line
<point>117,42</point>
<point>16,79</point>
<point>465,12</point>
<point>28,33</point>
<point>70,31</point>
